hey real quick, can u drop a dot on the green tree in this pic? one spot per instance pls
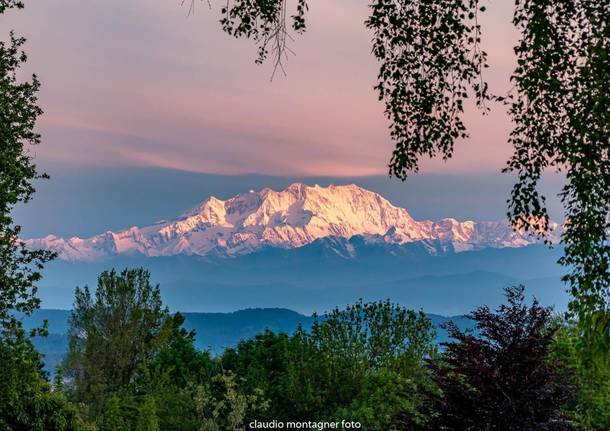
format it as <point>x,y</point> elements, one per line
<point>384,393</point>
<point>113,334</point>
<point>147,416</point>
<point>342,368</point>
<point>26,399</point>
<point>175,406</point>
<point>221,406</point>
<point>178,358</point>
<point>112,418</point>
<point>19,266</point>
<point>171,376</point>
<point>591,407</point>
<point>262,362</point>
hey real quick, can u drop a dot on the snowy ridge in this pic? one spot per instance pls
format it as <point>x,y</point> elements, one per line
<point>291,218</point>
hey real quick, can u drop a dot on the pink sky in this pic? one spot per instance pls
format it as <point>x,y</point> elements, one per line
<point>140,83</point>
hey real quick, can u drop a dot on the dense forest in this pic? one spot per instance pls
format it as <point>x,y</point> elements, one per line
<point>132,366</point>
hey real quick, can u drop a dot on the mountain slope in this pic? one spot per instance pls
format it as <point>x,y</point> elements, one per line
<point>315,277</point>
<point>292,218</point>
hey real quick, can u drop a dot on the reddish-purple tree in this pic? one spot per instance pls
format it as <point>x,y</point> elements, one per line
<point>500,377</point>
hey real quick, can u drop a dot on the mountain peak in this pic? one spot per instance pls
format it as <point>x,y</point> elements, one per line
<point>296,187</point>
<point>296,216</point>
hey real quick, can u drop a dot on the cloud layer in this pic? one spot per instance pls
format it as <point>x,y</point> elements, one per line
<point>141,83</point>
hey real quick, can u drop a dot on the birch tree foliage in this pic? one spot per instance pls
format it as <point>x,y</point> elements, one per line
<point>19,267</point>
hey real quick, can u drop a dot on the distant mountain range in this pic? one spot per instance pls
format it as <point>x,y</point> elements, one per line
<point>339,218</point>
<point>311,248</point>
<point>316,277</point>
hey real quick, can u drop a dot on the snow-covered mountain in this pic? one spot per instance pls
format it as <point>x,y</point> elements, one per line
<point>294,217</point>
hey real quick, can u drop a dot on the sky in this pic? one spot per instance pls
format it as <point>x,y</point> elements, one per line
<point>90,200</point>
<point>150,110</point>
<point>143,83</point>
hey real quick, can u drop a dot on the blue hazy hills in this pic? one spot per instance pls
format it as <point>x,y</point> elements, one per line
<point>214,331</point>
<point>319,276</point>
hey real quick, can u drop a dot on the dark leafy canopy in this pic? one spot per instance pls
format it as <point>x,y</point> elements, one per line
<point>265,21</point>
<point>561,111</point>
<point>132,366</point>
<point>430,59</point>
<point>8,4</point>
<point>26,399</point>
<point>178,361</point>
<point>19,267</point>
<point>501,378</point>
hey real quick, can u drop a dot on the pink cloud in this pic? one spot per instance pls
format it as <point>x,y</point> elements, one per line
<point>141,83</point>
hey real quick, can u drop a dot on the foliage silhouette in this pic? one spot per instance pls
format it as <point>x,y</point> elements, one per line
<point>26,398</point>
<point>502,377</point>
